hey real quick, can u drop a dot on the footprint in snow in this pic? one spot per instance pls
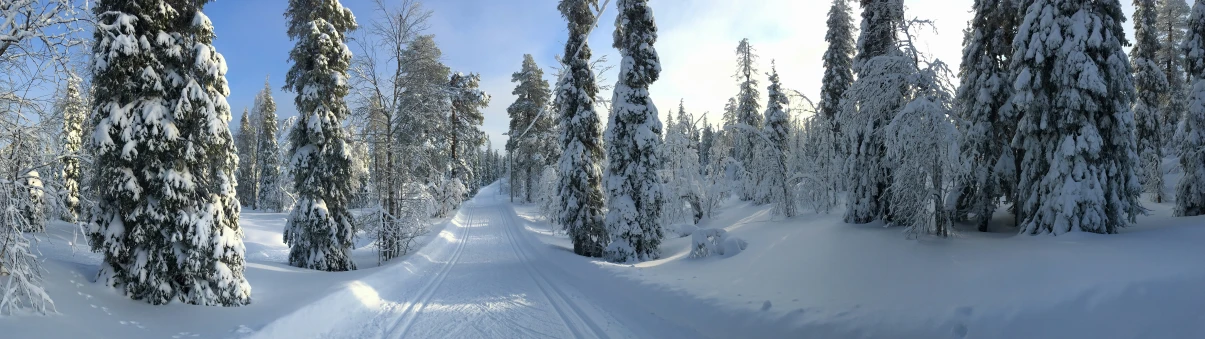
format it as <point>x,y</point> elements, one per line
<point>766,306</point>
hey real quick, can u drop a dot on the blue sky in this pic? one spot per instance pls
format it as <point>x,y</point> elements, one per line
<point>483,36</point>
<point>696,44</point>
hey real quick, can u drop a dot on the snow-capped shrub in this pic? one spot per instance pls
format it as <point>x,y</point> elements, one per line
<point>450,193</point>
<point>715,241</point>
<point>733,246</point>
<point>550,204</point>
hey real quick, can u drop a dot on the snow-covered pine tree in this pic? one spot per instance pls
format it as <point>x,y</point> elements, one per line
<point>271,196</point>
<point>1075,89</point>
<point>838,59</point>
<point>165,234</point>
<point>582,157</point>
<point>748,118</point>
<point>1172,19</point>
<point>982,95</point>
<point>1190,135</point>
<point>777,130</point>
<point>633,140</point>
<point>869,105</point>
<point>531,101</point>
<point>728,120</point>
<point>74,110</point>
<point>244,142</point>
<point>320,230</point>
<point>213,262</point>
<point>132,141</point>
<point>1150,83</point>
<point>464,125</point>
<point>706,139</point>
<point>879,31</point>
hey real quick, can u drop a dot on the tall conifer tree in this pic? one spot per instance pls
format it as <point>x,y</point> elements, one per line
<point>320,230</point>
<point>271,195</point>
<point>1075,91</point>
<point>633,137</point>
<point>1190,135</point>
<point>166,218</point>
<point>869,105</point>
<point>981,99</point>
<point>748,117</point>
<point>1150,83</point>
<point>74,109</point>
<point>580,187</point>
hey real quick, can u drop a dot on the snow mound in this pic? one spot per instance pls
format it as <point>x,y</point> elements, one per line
<point>715,241</point>
<point>683,230</point>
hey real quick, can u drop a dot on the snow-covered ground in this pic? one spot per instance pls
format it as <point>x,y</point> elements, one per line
<point>814,276</point>
<point>497,271</point>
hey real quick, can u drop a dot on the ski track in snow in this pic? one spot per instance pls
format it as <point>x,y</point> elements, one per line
<point>493,283</point>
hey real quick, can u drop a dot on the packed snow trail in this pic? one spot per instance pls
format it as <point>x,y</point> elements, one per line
<point>484,280</point>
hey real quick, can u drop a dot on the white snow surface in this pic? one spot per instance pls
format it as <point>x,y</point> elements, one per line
<point>496,270</point>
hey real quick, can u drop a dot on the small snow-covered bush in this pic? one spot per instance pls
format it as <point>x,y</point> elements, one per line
<point>449,194</point>
<point>733,246</point>
<point>715,241</point>
<point>550,203</point>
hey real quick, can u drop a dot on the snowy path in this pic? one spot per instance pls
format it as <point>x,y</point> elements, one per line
<point>487,281</point>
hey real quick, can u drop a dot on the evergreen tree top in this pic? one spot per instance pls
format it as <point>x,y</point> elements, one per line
<point>1194,43</point>
<point>635,34</point>
<point>301,14</point>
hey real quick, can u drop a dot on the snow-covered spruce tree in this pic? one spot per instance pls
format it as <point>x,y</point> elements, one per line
<point>706,139</point>
<point>1075,89</point>
<point>1150,83</point>
<point>1190,135</point>
<point>748,118</point>
<point>271,196</point>
<point>1190,192</point>
<point>464,125</point>
<point>982,94</point>
<point>165,234</point>
<point>319,230</point>
<point>869,105</point>
<point>1171,20</point>
<point>531,100</point>
<point>212,242</point>
<point>580,188</point>
<point>133,147</point>
<point>777,130</point>
<point>728,120</point>
<point>633,139</point>
<point>74,110</point>
<point>245,141</point>
<point>838,59</point>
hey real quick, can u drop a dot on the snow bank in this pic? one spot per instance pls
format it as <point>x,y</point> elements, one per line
<point>816,277</point>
